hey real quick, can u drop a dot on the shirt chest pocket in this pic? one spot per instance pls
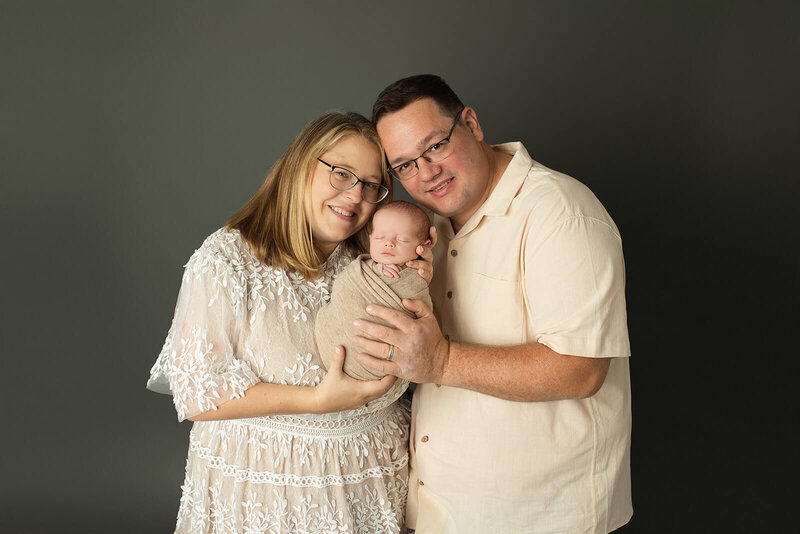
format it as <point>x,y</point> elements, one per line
<point>492,311</point>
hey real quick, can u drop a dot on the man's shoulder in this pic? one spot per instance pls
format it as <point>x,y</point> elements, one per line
<point>534,186</point>
<point>552,195</point>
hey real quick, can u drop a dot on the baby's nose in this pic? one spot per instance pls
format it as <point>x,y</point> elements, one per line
<point>389,244</point>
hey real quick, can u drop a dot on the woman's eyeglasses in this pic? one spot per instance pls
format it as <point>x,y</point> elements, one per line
<point>341,179</point>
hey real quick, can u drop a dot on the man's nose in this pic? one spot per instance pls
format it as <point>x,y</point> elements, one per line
<point>427,170</point>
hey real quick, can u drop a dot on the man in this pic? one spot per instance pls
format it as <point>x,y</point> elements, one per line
<point>521,421</point>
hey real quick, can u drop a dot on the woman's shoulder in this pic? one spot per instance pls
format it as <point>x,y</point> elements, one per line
<point>227,242</point>
<point>228,247</point>
<point>225,247</point>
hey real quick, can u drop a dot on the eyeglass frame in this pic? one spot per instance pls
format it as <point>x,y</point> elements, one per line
<point>381,187</point>
<point>394,173</point>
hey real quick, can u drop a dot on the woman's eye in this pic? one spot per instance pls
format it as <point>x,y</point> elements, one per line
<point>342,175</point>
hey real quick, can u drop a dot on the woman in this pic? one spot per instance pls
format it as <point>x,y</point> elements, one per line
<point>240,356</point>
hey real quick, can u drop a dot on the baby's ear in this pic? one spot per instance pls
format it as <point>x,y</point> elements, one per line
<point>427,243</point>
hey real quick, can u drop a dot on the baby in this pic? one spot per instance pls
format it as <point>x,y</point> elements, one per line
<point>379,277</point>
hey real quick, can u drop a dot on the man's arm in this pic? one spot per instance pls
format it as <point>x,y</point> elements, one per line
<point>530,372</point>
<point>527,373</point>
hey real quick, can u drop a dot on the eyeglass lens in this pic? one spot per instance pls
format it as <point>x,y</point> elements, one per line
<point>342,180</point>
<point>434,153</point>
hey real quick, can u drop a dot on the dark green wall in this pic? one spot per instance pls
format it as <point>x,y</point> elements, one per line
<point>131,130</point>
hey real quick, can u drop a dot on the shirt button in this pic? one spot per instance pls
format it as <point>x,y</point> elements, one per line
<point>424,439</point>
<point>447,337</point>
<point>449,294</point>
<point>421,483</point>
<point>454,253</point>
<point>438,385</point>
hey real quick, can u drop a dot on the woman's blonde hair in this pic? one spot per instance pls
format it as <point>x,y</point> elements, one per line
<point>274,222</point>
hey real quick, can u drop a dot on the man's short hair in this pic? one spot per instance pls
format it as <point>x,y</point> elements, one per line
<point>408,90</point>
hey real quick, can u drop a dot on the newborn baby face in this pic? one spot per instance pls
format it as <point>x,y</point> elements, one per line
<point>394,238</point>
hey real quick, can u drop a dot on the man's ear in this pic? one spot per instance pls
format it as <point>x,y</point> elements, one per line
<point>470,120</point>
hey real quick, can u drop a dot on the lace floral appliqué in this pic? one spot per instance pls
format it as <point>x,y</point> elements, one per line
<point>239,322</point>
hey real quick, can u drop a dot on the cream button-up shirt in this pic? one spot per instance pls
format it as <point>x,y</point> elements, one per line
<point>540,261</point>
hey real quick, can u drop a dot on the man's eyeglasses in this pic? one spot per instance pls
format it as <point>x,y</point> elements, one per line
<point>435,152</point>
<point>341,179</point>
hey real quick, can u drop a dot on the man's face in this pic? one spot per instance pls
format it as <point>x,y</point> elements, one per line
<point>454,187</point>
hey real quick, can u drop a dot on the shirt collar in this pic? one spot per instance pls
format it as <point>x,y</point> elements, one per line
<point>506,189</point>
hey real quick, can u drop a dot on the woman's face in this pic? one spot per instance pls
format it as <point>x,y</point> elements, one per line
<point>336,215</point>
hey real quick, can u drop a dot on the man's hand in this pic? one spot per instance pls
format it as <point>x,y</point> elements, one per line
<point>424,266</point>
<point>420,352</point>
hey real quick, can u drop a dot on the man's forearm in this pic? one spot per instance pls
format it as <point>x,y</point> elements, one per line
<point>526,373</point>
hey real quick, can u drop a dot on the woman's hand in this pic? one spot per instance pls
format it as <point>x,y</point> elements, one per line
<point>338,392</point>
<point>424,266</point>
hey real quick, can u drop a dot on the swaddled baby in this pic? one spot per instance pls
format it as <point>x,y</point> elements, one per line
<point>379,277</point>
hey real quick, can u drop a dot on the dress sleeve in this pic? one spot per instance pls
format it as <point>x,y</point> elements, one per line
<point>198,360</point>
<point>575,289</point>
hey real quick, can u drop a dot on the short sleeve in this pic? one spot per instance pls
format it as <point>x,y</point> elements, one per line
<point>574,279</point>
<point>198,360</point>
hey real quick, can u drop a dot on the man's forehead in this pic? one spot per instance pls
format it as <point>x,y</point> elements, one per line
<point>408,131</point>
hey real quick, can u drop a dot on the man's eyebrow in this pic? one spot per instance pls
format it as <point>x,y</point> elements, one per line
<point>423,144</point>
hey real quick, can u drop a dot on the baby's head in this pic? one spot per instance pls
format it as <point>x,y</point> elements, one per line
<point>398,228</point>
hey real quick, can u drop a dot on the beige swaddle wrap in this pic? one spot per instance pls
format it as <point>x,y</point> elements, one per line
<point>359,284</point>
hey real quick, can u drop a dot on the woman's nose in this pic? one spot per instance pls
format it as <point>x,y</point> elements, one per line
<point>353,194</point>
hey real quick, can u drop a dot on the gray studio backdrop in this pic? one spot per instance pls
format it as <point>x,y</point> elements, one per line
<point>131,130</point>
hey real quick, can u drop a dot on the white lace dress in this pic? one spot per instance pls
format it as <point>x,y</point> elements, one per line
<point>238,322</point>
